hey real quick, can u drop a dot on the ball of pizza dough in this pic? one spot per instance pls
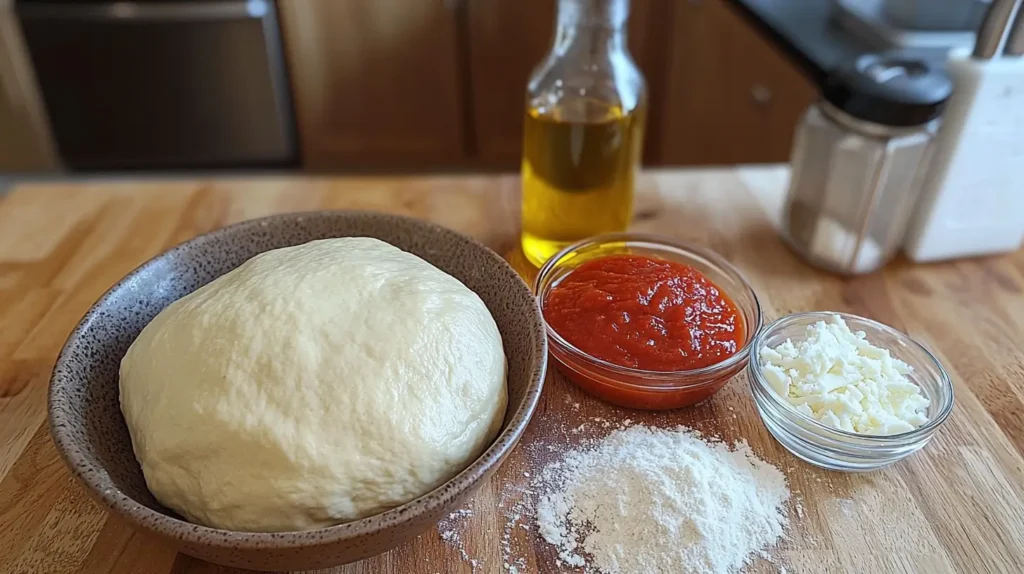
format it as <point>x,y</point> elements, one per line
<point>313,385</point>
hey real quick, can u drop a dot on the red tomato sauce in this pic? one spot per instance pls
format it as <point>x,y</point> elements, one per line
<point>645,313</point>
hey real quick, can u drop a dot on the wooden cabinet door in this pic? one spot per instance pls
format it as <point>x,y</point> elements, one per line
<point>507,38</point>
<point>731,96</point>
<point>375,82</point>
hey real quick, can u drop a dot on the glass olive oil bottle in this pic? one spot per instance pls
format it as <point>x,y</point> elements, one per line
<point>584,128</point>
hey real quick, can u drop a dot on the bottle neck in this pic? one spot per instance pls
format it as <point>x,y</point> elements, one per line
<point>591,26</point>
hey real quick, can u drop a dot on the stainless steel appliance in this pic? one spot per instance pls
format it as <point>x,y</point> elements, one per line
<point>25,142</point>
<point>162,84</point>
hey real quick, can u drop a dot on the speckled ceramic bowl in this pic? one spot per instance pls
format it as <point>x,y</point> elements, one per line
<point>90,433</point>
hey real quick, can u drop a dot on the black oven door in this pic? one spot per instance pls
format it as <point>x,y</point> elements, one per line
<point>162,84</point>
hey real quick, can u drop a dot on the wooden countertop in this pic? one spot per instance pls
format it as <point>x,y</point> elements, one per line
<point>956,506</point>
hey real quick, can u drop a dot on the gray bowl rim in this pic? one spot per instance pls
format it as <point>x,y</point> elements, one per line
<point>757,379</point>
<point>187,532</point>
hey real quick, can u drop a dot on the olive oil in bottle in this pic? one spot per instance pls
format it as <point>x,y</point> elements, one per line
<point>583,130</point>
<point>579,163</point>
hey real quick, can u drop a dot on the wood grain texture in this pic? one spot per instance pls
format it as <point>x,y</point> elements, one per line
<point>375,82</point>
<point>731,96</point>
<point>957,506</point>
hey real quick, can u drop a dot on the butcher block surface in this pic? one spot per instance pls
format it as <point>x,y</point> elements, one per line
<point>956,506</point>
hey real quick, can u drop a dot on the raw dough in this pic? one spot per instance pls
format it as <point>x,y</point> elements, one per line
<point>311,386</point>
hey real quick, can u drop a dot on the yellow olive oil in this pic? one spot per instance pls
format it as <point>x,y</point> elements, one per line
<point>579,165</point>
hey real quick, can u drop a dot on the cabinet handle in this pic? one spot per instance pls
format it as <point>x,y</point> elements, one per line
<point>761,94</point>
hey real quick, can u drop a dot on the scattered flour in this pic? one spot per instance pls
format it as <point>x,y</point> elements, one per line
<point>519,510</point>
<point>558,506</point>
<point>460,513</point>
<point>655,501</point>
<point>448,528</point>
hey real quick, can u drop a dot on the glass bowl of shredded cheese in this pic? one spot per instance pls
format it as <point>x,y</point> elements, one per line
<point>846,393</point>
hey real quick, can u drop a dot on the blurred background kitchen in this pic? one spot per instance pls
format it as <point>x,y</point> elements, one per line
<point>158,87</point>
<point>343,85</point>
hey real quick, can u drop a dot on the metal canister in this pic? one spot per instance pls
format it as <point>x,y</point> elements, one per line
<point>858,159</point>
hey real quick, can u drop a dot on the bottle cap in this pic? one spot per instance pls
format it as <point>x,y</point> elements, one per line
<point>891,89</point>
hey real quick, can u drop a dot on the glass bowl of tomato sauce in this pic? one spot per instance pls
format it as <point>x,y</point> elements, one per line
<point>646,322</point>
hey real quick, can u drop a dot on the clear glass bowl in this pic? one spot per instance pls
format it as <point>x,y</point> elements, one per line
<point>637,388</point>
<point>836,449</point>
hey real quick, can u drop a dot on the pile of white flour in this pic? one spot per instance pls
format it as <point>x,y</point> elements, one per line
<point>660,501</point>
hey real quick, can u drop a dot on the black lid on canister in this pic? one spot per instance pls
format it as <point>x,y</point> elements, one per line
<point>891,88</point>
